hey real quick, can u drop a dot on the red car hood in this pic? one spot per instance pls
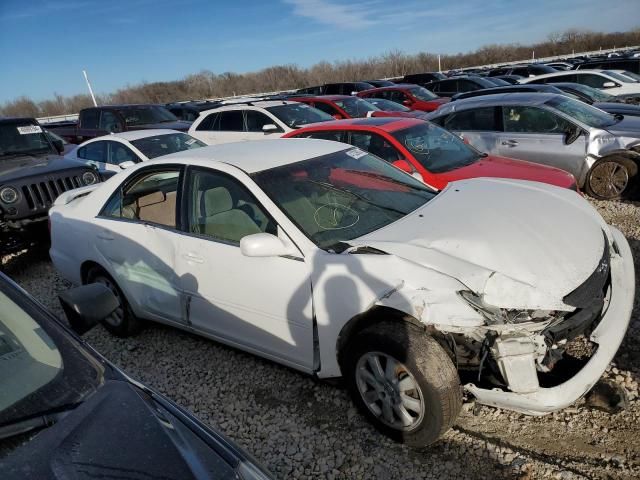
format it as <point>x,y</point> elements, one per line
<point>431,105</point>
<point>502,167</point>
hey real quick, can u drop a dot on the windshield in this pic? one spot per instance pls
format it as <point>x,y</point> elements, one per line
<point>593,93</point>
<point>631,75</point>
<point>294,115</point>
<point>356,107</point>
<point>160,145</point>
<point>42,370</point>
<point>23,138</point>
<point>388,105</point>
<point>422,93</point>
<point>435,148</point>
<point>146,115</point>
<point>341,196</point>
<point>620,77</point>
<point>594,117</point>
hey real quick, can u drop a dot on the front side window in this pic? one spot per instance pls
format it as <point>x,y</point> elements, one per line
<point>520,119</point>
<point>256,120</point>
<point>467,86</point>
<point>95,151</point>
<point>150,198</point>
<point>326,108</point>
<point>159,145</point>
<point>338,197</point>
<point>478,119</point>
<point>375,144</point>
<point>295,115</point>
<point>146,115</point>
<point>422,93</point>
<point>223,209</point>
<point>110,122</point>
<point>119,153</point>
<point>90,118</point>
<point>595,81</point>
<point>436,149</point>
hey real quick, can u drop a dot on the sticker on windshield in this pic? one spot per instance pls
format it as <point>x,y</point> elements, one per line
<point>28,129</point>
<point>356,153</point>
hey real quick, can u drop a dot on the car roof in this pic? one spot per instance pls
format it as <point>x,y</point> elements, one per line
<point>249,104</point>
<point>257,155</point>
<point>565,73</point>
<point>138,134</point>
<point>525,98</point>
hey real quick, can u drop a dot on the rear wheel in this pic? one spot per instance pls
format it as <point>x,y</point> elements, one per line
<point>403,381</point>
<point>608,179</point>
<point>122,322</point>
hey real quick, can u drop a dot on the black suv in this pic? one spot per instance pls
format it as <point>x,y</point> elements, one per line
<point>32,175</point>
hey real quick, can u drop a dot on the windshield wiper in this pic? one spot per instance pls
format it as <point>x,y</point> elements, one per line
<point>41,420</point>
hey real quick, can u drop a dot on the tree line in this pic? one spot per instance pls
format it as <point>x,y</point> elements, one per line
<point>207,84</point>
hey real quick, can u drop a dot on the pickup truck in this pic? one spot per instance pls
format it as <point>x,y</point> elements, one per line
<point>32,175</point>
<point>98,121</point>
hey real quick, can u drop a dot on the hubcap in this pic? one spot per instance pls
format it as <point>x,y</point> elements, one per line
<point>609,179</point>
<point>117,317</point>
<point>389,391</point>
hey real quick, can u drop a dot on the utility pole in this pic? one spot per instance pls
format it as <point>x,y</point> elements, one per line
<point>86,79</point>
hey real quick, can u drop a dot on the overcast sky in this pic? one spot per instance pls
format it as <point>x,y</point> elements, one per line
<point>46,44</point>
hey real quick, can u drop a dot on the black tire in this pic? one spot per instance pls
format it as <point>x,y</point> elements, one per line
<point>609,179</point>
<point>424,362</point>
<point>122,323</point>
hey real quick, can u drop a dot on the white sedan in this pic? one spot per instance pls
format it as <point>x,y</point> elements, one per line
<point>113,153</point>
<point>322,257</point>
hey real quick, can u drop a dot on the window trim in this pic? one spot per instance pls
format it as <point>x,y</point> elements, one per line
<point>135,178</point>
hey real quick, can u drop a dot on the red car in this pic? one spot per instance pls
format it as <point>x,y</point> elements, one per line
<point>347,106</point>
<point>429,152</point>
<point>413,96</point>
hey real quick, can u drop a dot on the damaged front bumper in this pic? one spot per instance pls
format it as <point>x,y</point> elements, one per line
<point>608,336</point>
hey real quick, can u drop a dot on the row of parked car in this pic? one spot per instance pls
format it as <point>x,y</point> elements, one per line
<point>341,250</point>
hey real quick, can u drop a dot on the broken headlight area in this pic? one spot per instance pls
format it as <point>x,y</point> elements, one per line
<point>500,316</point>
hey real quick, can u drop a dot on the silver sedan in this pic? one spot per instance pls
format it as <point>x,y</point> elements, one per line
<point>601,150</point>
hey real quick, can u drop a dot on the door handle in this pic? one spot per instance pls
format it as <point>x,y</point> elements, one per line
<point>106,235</point>
<point>192,257</point>
<point>510,143</point>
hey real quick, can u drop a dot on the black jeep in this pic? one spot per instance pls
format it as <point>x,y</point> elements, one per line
<point>32,175</point>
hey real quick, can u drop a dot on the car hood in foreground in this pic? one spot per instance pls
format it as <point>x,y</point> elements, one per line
<point>520,244</point>
<point>29,165</point>
<point>122,432</point>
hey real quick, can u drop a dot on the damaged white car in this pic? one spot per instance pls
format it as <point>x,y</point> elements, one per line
<point>322,257</point>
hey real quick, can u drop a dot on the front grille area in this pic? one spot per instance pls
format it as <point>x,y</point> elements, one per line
<point>41,195</point>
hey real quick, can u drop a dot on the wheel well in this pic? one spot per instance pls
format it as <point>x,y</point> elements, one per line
<point>628,159</point>
<point>86,267</point>
<point>374,315</point>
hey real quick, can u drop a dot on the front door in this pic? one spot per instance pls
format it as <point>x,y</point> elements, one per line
<point>258,304</point>
<point>137,239</point>
<point>538,135</point>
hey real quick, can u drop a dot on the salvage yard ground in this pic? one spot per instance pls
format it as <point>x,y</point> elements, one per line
<point>300,428</point>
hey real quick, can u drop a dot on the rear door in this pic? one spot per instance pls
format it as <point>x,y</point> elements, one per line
<point>538,135</point>
<point>221,127</point>
<point>479,126</point>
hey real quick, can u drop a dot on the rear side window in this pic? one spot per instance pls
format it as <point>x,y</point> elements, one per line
<point>119,153</point>
<point>208,122</point>
<point>231,121</point>
<point>333,89</point>
<point>95,151</point>
<point>479,119</point>
<point>90,118</point>
<point>466,86</point>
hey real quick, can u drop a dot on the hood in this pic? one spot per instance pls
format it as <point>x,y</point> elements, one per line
<point>519,244</point>
<point>29,165</point>
<point>386,113</point>
<point>622,108</point>
<point>501,167</point>
<point>627,127</point>
<point>180,125</point>
<point>121,431</point>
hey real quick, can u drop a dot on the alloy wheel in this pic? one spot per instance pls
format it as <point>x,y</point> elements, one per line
<point>609,179</point>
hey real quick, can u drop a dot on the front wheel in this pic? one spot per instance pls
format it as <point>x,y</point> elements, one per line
<point>608,179</point>
<point>404,382</point>
<point>122,322</point>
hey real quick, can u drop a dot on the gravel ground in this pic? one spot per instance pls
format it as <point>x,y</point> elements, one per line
<point>301,428</point>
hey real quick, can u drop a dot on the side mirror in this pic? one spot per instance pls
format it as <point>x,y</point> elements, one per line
<point>88,305</point>
<point>337,116</point>
<point>608,85</point>
<point>403,165</point>
<point>58,145</point>
<point>571,135</point>
<point>407,103</point>
<point>269,128</point>
<point>127,164</point>
<point>265,245</point>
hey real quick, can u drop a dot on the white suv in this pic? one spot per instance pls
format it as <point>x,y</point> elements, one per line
<point>253,120</point>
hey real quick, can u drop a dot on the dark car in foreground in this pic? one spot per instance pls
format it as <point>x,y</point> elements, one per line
<point>97,121</point>
<point>66,412</point>
<point>32,175</point>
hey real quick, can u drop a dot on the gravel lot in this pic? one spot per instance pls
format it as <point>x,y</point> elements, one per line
<point>300,428</point>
